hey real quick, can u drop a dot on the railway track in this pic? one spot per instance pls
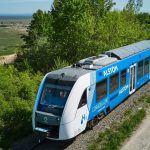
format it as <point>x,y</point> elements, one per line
<point>81,141</point>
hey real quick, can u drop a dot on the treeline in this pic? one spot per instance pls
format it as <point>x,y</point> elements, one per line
<point>72,30</point>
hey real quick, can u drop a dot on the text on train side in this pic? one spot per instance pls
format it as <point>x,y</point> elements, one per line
<point>110,70</point>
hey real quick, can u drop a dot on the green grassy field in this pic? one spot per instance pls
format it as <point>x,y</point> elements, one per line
<point>9,40</point>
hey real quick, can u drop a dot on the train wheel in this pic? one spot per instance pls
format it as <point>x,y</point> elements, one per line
<point>90,125</point>
<point>95,121</point>
<point>108,110</point>
<point>101,115</point>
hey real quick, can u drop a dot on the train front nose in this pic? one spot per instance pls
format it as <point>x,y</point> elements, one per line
<point>50,105</point>
<point>47,124</point>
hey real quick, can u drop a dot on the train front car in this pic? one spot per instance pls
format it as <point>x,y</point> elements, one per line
<point>60,110</point>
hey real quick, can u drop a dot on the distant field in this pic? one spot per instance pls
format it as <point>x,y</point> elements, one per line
<point>9,41</point>
<point>11,29</point>
<point>15,19</point>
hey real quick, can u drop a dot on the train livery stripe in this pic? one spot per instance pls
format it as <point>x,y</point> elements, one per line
<point>37,100</point>
<point>91,89</point>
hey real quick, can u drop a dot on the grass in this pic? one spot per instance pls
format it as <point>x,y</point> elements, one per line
<point>148,100</point>
<point>7,137</point>
<point>112,138</point>
<point>8,51</point>
<point>9,41</point>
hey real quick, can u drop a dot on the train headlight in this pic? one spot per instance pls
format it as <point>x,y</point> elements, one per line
<point>58,119</point>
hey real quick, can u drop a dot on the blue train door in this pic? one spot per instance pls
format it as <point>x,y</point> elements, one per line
<point>132,78</point>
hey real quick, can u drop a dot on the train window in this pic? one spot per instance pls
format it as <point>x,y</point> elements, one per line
<point>101,90</point>
<point>83,100</point>
<point>146,66</point>
<point>113,83</point>
<point>140,70</point>
<point>123,78</point>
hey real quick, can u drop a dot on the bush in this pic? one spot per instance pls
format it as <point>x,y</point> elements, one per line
<point>17,96</point>
<point>58,63</point>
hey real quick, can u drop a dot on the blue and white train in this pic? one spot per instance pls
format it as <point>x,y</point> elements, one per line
<point>73,98</point>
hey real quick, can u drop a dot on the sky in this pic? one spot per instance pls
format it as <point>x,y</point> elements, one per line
<point>23,6</point>
<point>121,3</point>
<point>30,6</point>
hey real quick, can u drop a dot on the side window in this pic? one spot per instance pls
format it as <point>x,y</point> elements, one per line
<point>146,66</point>
<point>113,83</point>
<point>83,100</point>
<point>123,77</point>
<point>140,70</point>
<point>101,90</point>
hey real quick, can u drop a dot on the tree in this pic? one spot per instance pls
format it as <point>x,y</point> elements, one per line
<point>144,19</point>
<point>122,31</point>
<point>38,30</point>
<point>77,29</point>
<point>101,7</point>
<point>72,30</point>
<point>134,5</point>
<point>139,4</point>
<point>35,53</point>
<point>17,96</point>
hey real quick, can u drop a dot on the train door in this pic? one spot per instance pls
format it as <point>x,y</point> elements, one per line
<point>132,78</point>
<point>81,114</point>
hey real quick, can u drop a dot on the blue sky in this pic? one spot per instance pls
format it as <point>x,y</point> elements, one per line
<point>121,3</point>
<point>23,6</point>
<point>30,6</point>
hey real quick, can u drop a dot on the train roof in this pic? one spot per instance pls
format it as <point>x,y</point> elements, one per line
<point>90,64</point>
<point>129,50</point>
<point>84,66</point>
<point>69,73</point>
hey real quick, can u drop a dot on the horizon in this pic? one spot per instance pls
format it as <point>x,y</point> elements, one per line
<point>28,7</point>
<point>18,7</point>
<point>16,14</point>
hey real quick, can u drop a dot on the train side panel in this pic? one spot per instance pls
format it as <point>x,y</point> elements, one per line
<point>111,100</point>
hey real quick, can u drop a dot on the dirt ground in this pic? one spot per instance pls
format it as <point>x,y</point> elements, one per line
<point>8,59</point>
<point>140,140</point>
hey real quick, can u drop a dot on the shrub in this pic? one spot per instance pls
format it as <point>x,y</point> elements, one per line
<point>17,96</point>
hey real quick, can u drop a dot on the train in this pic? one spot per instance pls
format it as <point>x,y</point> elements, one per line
<point>74,98</point>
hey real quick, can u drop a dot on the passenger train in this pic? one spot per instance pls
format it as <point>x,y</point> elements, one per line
<point>73,98</point>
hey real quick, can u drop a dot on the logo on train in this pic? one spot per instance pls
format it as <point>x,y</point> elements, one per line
<point>45,119</point>
<point>124,89</point>
<point>110,70</point>
<point>83,118</point>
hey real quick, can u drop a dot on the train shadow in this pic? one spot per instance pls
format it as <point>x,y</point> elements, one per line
<point>54,145</point>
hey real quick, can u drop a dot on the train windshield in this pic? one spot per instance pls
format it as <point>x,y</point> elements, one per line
<point>54,95</point>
